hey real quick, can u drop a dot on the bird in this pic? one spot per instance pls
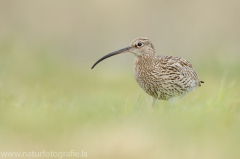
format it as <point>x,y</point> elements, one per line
<point>162,77</point>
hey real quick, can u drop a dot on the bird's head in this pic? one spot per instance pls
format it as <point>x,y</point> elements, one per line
<point>141,46</point>
<point>138,47</point>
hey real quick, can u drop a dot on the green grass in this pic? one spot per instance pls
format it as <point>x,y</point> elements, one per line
<point>47,104</point>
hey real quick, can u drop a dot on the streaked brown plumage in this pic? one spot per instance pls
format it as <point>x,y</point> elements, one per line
<point>162,77</point>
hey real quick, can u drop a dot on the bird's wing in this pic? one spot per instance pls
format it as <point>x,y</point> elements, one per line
<point>179,69</point>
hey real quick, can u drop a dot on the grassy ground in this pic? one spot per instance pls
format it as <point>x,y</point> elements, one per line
<point>46,104</point>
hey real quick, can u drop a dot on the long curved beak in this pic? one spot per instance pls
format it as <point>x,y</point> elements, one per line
<point>126,49</point>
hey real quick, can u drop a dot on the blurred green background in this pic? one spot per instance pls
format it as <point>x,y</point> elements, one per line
<point>51,100</point>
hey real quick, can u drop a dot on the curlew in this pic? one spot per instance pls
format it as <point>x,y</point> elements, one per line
<point>162,77</point>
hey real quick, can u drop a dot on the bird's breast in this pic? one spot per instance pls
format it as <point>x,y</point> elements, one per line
<point>145,77</point>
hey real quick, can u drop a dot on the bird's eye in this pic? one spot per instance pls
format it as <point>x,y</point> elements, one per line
<point>139,44</point>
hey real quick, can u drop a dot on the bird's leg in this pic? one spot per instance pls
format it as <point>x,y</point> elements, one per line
<point>151,103</point>
<point>153,100</point>
<point>172,101</point>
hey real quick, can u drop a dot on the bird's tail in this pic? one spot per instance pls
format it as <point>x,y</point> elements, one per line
<point>200,83</point>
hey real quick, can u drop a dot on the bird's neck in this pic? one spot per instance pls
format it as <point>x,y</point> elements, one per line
<point>145,60</point>
<point>150,57</point>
